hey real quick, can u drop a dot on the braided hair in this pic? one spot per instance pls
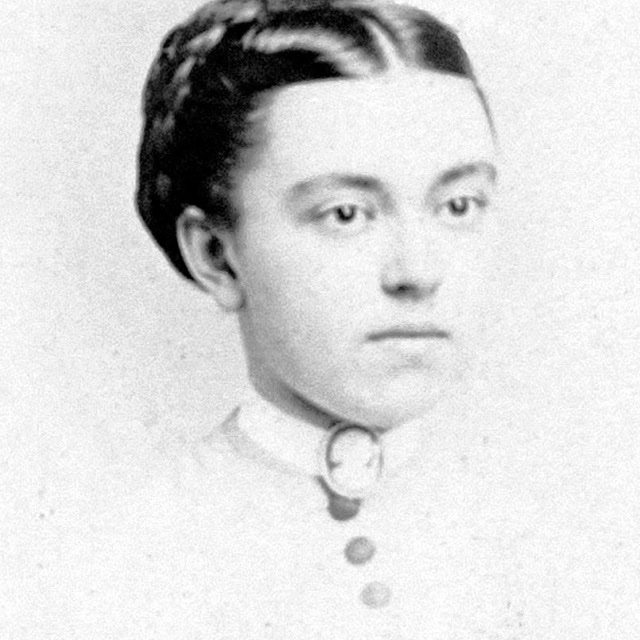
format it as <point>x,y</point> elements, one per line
<point>214,71</point>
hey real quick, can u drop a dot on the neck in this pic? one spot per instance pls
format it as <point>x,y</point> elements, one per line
<point>293,404</point>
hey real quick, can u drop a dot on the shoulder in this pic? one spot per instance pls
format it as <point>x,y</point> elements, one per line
<point>126,520</point>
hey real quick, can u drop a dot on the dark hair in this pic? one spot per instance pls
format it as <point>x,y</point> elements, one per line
<point>213,70</point>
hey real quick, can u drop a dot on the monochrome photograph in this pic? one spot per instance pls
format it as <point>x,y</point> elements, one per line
<point>320,320</point>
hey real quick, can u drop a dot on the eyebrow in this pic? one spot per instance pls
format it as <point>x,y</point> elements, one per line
<point>466,170</point>
<point>372,184</point>
<point>333,180</point>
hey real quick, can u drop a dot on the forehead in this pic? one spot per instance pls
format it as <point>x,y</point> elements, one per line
<point>422,121</point>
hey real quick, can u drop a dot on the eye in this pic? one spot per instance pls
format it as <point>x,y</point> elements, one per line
<point>462,210</point>
<point>346,216</point>
<point>345,213</point>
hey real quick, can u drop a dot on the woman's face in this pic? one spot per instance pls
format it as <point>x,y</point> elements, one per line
<point>365,222</point>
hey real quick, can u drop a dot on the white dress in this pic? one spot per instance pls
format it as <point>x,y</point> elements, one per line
<point>231,538</point>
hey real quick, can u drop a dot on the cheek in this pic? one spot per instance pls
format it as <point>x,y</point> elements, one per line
<point>467,284</point>
<point>468,264</point>
<point>293,301</point>
<point>302,278</point>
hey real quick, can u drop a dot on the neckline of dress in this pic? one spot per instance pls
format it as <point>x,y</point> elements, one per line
<point>282,440</point>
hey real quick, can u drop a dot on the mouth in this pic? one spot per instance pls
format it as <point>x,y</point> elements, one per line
<point>410,333</point>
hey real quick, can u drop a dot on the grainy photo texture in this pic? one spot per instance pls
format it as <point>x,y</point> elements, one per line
<point>321,322</point>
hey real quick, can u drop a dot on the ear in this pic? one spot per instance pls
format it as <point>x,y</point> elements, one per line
<point>210,257</point>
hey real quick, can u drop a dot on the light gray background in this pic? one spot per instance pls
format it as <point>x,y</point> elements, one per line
<point>102,344</point>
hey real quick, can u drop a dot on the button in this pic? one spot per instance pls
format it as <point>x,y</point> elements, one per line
<point>342,508</point>
<point>360,550</point>
<point>376,595</point>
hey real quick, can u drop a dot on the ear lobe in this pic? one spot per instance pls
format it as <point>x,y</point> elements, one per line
<point>207,253</point>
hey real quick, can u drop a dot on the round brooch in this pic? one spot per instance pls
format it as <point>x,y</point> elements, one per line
<point>351,460</point>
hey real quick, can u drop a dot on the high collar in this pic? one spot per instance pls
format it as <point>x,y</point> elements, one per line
<point>296,445</point>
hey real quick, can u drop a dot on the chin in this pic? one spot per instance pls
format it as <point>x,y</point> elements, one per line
<point>388,412</point>
<point>389,419</point>
<point>384,402</point>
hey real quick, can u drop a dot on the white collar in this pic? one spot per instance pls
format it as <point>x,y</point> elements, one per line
<point>296,444</point>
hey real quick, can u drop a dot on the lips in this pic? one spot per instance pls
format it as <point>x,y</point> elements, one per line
<point>410,332</point>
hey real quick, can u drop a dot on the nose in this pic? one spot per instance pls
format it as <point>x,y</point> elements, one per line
<point>415,266</point>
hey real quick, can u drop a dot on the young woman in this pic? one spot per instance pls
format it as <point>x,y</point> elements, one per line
<point>325,171</point>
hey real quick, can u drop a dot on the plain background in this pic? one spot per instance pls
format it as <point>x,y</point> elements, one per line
<point>102,344</point>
